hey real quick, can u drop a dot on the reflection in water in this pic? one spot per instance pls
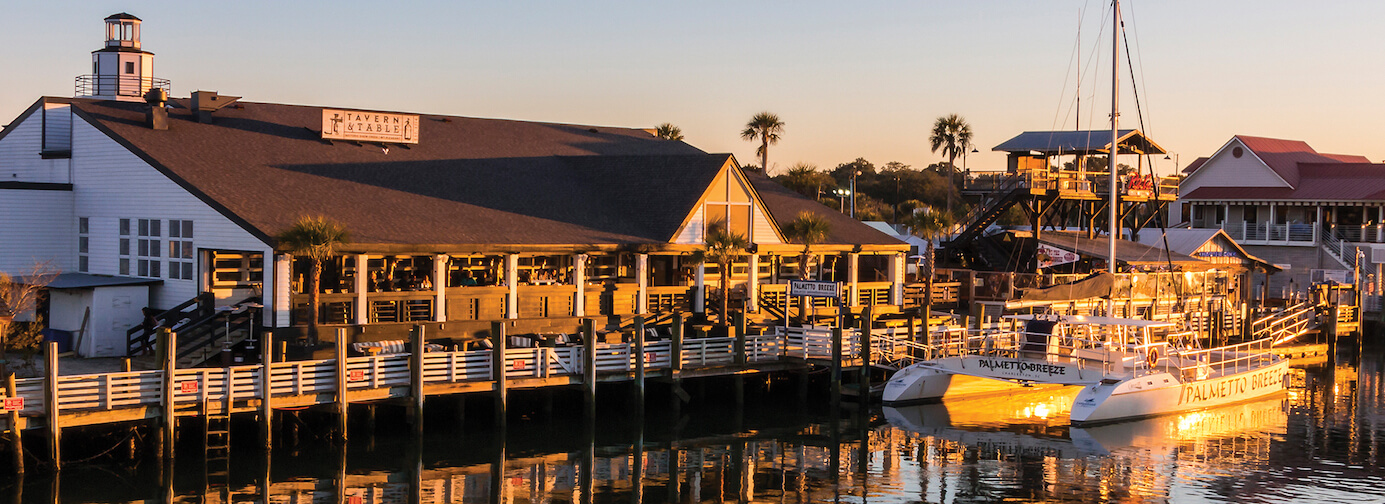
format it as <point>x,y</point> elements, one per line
<point>1318,442</point>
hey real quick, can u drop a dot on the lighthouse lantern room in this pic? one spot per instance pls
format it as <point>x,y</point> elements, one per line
<point>121,70</point>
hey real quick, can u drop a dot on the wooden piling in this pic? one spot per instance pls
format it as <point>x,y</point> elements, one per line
<point>498,369</point>
<point>675,366</point>
<point>15,434</point>
<point>739,321</point>
<point>416,378</point>
<point>266,378</point>
<point>589,366</point>
<point>863,375</point>
<point>50,404</point>
<point>343,401</point>
<point>639,361</point>
<point>170,364</point>
<point>836,383</point>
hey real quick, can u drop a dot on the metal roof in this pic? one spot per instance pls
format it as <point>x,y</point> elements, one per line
<point>1051,143</point>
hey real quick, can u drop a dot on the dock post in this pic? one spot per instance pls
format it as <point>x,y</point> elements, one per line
<point>498,370</point>
<point>170,363</point>
<point>639,361</point>
<point>343,402</point>
<point>50,405</point>
<point>739,321</point>
<point>266,379</point>
<point>836,383</point>
<point>416,379</point>
<point>675,365</point>
<point>865,341</point>
<point>913,338</point>
<point>16,438</point>
<point>589,366</point>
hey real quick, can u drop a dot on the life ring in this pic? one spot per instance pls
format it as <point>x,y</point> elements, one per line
<point>1152,357</point>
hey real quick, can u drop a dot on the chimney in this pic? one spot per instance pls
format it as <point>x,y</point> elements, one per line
<point>158,111</point>
<point>206,102</point>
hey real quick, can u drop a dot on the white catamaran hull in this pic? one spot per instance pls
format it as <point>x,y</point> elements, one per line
<point>1163,393</point>
<point>929,381</point>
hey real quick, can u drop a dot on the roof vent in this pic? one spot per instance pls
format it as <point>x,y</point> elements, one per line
<point>158,109</point>
<point>206,102</point>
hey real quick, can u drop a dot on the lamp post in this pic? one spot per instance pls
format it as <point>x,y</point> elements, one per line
<point>1175,162</point>
<point>966,171</point>
<point>841,197</point>
<point>853,192</point>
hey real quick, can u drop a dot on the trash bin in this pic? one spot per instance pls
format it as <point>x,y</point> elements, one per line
<point>62,338</point>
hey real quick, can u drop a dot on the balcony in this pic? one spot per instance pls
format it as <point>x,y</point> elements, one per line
<point>117,87</point>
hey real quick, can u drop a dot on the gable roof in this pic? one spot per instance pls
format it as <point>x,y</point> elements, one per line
<point>1284,156</point>
<point>1193,166</point>
<point>468,181</point>
<point>1317,182</point>
<point>1078,142</point>
<point>1187,240</point>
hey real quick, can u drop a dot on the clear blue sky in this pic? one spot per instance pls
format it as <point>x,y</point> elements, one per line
<point>850,79</point>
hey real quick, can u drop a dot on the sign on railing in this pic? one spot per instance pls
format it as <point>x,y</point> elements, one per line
<point>813,288</point>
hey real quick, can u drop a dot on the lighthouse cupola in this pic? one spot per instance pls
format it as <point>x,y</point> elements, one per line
<point>121,70</point>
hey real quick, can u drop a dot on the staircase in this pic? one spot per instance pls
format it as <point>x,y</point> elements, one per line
<point>203,329</point>
<point>990,211</point>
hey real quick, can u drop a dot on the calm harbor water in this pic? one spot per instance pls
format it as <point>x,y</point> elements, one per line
<point>1320,442</point>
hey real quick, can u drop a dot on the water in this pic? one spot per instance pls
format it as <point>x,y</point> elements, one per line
<point>1321,442</point>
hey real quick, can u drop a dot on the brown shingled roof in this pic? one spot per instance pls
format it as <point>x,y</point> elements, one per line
<point>468,181</point>
<point>1284,156</point>
<point>1332,181</point>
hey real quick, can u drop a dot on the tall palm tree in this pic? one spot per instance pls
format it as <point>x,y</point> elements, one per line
<point>722,247</point>
<point>809,228</point>
<point>766,128</point>
<point>930,225</point>
<point>668,131</point>
<point>317,239</point>
<point>951,133</point>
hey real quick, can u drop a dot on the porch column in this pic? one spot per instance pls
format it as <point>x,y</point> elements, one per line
<point>1226,215</point>
<point>700,289</point>
<point>579,280</point>
<point>752,286</point>
<point>642,280</point>
<point>440,288</point>
<point>897,279</point>
<point>360,287</point>
<point>512,285</point>
<point>1270,225</point>
<point>853,271</point>
<point>282,291</point>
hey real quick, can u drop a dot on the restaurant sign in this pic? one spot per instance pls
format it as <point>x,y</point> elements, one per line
<point>369,126</point>
<point>814,289</point>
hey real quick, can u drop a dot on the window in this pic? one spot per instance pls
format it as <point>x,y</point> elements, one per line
<point>124,246</point>
<point>129,67</point>
<point>83,245</point>
<point>149,264</point>
<point>180,250</point>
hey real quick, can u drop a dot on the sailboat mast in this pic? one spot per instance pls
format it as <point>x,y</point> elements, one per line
<point>1115,133</point>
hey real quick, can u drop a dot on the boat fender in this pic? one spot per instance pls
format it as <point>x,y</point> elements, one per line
<point>1152,357</point>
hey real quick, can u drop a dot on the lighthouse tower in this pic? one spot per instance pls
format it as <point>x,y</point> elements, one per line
<point>121,70</point>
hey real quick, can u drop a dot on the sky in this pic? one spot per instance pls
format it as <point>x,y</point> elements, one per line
<point>849,79</point>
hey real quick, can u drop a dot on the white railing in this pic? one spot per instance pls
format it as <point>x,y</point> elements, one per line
<point>1221,361</point>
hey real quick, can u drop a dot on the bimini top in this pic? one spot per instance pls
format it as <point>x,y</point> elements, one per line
<point>1093,320</point>
<point>1054,143</point>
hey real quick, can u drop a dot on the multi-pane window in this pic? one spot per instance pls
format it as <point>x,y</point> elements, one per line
<point>150,247</point>
<point>180,250</point>
<point>83,244</point>
<point>125,246</point>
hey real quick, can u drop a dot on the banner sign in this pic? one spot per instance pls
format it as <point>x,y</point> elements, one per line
<point>369,126</point>
<point>812,288</point>
<point>1049,256</point>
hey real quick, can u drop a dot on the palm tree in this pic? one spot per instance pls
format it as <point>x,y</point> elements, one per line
<point>809,228</point>
<point>952,133</point>
<point>668,131</point>
<point>317,239</point>
<point>766,128</point>
<point>722,247</point>
<point>930,225</point>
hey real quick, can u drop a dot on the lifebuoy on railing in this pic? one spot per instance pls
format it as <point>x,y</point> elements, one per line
<point>1152,357</point>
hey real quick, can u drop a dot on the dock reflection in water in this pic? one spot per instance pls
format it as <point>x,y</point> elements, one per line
<point>1318,442</point>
